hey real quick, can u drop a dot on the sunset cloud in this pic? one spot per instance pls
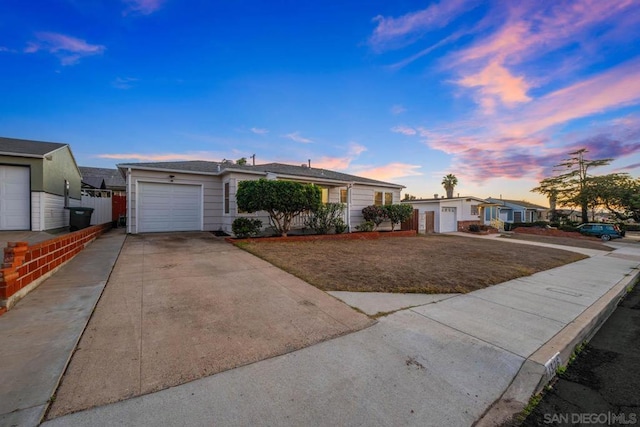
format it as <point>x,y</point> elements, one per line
<point>397,109</point>
<point>69,49</point>
<point>393,32</point>
<point>141,7</point>
<point>124,82</point>
<point>295,136</point>
<point>390,171</point>
<point>405,130</point>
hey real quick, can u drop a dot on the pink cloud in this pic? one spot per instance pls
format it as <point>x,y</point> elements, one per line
<point>142,7</point>
<point>395,31</point>
<point>405,130</point>
<point>69,49</point>
<point>495,84</point>
<point>615,88</point>
<point>390,171</point>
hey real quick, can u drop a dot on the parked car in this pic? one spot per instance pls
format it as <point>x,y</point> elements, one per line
<point>604,231</point>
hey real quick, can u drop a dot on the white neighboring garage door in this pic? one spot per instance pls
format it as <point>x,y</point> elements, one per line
<point>15,196</point>
<point>169,207</point>
<point>448,222</point>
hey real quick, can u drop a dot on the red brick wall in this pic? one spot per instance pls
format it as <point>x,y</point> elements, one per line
<point>24,264</point>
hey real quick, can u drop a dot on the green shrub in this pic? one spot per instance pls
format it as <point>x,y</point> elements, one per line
<point>474,228</point>
<point>339,226</point>
<point>325,217</point>
<point>375,214</point>
<point>398,213</point>
<point>246,227</point>
<point>282,200</point>
<point>366,226</point>
<point>567,228</point>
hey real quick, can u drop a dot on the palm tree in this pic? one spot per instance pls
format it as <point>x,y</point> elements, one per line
<point>449,182</point>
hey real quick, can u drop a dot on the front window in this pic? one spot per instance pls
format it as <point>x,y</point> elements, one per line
<point>344,194</point>
<point>377,198</point>
<point>388,198</point>
<point>325,195</point>
<point>226,197</point>
<point>474,209</point>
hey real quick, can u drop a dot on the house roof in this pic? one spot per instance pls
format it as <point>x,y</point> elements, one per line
<point>95,176</point>
<point>279,169</point>
<point>27,148</point>
<point>519,203</point>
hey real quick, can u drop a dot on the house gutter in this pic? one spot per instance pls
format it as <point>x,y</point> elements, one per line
<point>128,200</point>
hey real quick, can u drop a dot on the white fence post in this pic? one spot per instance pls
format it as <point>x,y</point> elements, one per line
<point>100,201</point>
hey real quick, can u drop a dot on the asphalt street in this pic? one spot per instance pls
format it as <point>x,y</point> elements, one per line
<point>601,386</point>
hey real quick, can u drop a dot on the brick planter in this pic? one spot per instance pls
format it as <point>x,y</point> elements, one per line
<point>370,235</point>
<point>25,267</point>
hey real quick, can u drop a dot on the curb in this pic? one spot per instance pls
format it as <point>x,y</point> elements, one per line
<point>533,375</point>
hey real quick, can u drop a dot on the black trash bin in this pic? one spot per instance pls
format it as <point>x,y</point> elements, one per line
<point>79,218</point>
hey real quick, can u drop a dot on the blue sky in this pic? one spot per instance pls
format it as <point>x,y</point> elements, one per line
<point>495,92</point>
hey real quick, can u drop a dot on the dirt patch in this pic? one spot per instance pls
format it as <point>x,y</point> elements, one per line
<point>421,264</point>
<point>576,240</point>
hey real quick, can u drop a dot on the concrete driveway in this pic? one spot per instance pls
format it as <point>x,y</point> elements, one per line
<point>179,307</point>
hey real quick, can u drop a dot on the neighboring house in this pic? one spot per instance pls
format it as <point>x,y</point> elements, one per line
<point>511,211</point>
<point>444,215</point>
<point>103,179</point>
<point>201,195</point>
<point>106,179</point>
<point>37,181</point>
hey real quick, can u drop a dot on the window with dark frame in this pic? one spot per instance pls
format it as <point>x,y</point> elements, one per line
<point>226,197</point>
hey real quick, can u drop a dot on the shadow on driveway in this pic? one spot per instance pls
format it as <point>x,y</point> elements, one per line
<point>178,307</point>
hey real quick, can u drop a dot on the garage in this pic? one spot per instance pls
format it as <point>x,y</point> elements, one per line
<point>169,207</point>
<point>15,198</point>
<point>448,222</point>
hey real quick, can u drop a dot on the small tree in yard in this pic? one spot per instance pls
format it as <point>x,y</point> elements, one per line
<point>375,214</point>
<point>282,200</point>
<point>398,213</point>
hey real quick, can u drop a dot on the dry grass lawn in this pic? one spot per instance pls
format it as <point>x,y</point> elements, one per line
<point>421,264</point>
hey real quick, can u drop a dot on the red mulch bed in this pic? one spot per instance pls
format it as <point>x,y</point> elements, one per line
<point>369,235</point>
<point>550,232</point>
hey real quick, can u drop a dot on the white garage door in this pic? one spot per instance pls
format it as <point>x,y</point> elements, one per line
<point>169,207</point>
<point>448,221</point>
<point>15,195</point>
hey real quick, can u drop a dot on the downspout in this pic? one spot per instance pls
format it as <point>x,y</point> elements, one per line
<point>349,207</point>
<point>128,200</point>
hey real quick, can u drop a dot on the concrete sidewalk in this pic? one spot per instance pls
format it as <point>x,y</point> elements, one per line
<point>466,358</point>
<point>39,335</point>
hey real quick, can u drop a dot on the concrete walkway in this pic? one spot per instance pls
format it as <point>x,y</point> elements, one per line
<point>39,335</point>
<point>470,357</point>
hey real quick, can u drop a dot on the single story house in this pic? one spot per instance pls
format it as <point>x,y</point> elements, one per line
<point>510,211</point>
<point>37,181</point>
<point>201,195</point>
<point>445,215</point>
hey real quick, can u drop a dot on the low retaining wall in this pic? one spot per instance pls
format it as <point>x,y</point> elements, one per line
<point>25,267</point>
<point>368,235</point>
